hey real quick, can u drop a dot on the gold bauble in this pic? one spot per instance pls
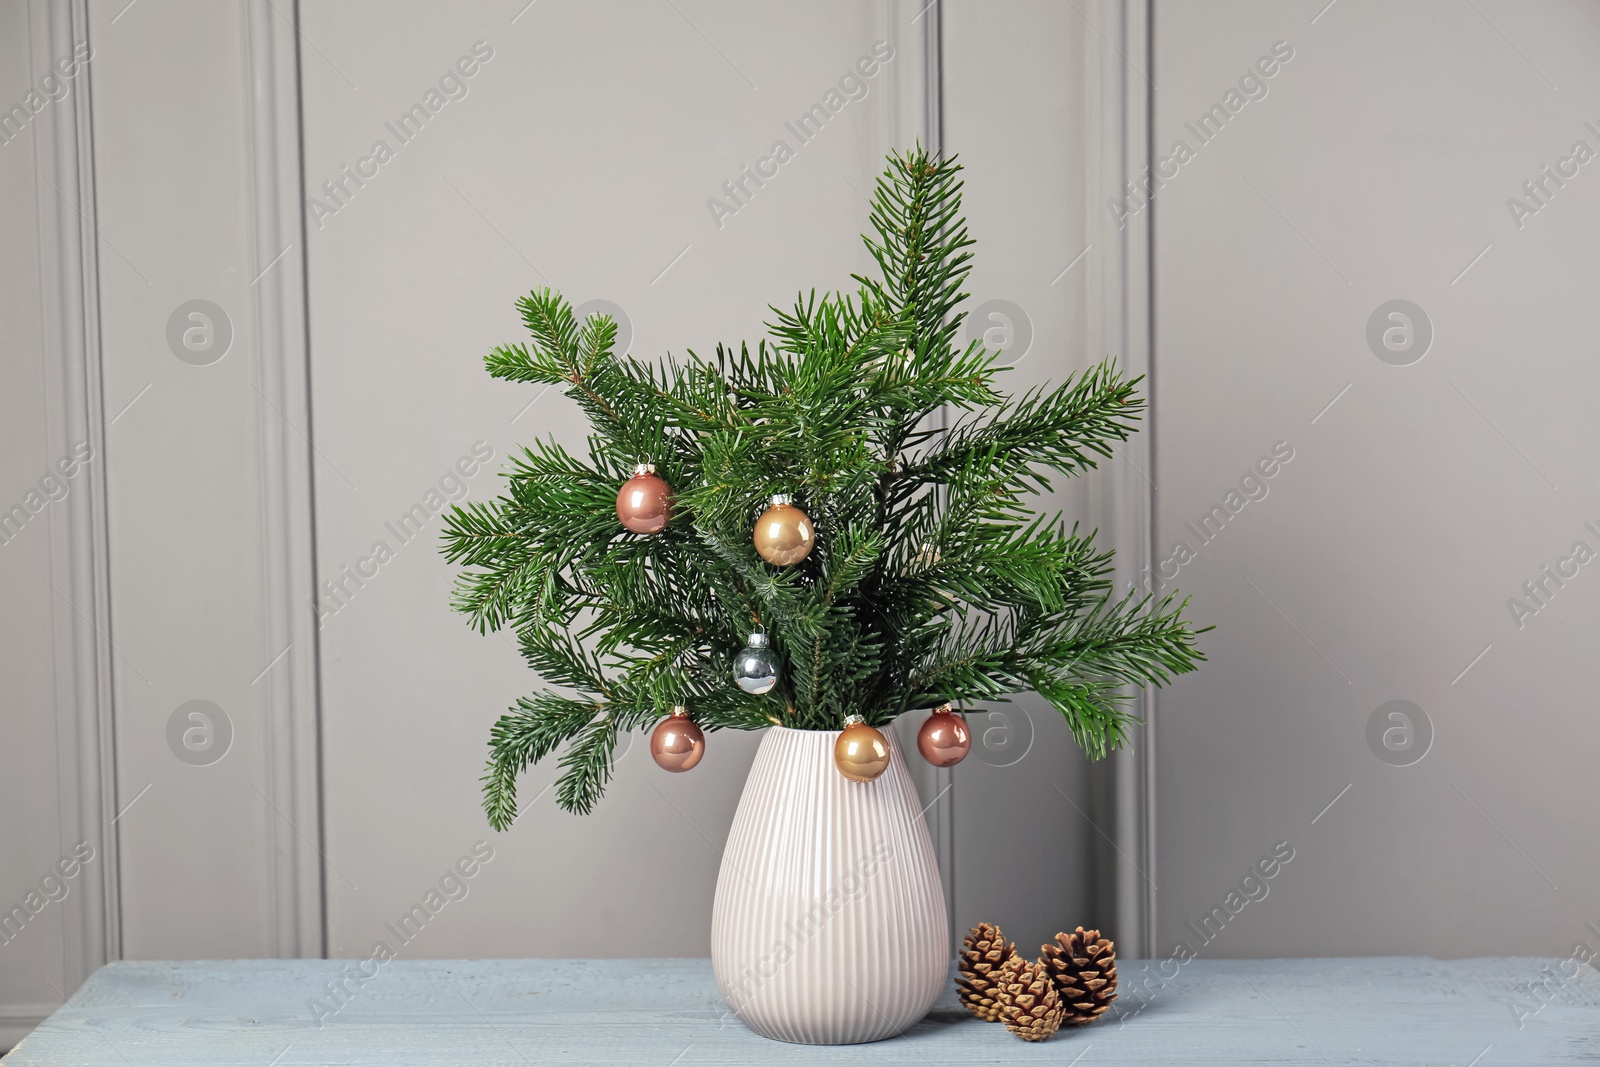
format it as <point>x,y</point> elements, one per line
<point>784,534</point>
<point>861,753</point>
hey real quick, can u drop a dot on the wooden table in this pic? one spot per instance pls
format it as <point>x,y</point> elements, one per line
<point>667,1013</point>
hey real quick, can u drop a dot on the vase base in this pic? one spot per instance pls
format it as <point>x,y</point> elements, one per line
<point>826,1041</point>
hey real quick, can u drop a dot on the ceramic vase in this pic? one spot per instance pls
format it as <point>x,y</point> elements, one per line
<point>829,925</point>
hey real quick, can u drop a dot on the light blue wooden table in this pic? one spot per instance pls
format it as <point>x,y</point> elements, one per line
<point>666,1013</point>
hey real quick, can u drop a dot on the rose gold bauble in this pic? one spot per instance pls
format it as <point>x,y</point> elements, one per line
<point>861,753</point>
<point>644,503</point>
<point>677,743</point>
<point>944,739</point>
<point>784,534</point>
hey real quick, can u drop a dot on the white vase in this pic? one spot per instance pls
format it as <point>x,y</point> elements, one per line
<point>829,925</point>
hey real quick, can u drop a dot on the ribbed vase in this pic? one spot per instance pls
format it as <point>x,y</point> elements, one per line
<point>829,925</point>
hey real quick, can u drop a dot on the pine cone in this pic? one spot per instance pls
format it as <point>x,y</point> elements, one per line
<point>1029,1004</point>
<point>984,951</point>
<point>1083,966</point>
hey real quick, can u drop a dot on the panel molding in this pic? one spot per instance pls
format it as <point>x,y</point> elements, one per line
<point>1117,95</point>
<point>291,762</point>
<point>79,559</point>
<point>87,663</point>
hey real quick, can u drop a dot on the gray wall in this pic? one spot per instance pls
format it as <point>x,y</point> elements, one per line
<point>1379,564</point>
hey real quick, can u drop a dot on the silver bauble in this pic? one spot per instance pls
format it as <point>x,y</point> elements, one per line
<point>755,668</point>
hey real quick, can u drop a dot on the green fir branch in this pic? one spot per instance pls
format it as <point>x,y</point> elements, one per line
<point>933,577</point>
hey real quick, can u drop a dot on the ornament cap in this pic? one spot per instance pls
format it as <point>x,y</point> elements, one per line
<point>779,500</point>
<point>757,640</point>
<point>641,469</point>
<point>679,712</point>
<point>853,720</point>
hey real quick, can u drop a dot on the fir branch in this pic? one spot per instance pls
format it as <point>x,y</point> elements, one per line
<point>932,579</point>
<point>586,766</point>
<point>1063,429</point>
<point>530,732</point>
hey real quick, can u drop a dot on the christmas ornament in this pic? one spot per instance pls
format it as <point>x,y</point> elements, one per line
<point>1029,1004</point>
<point>861,753</point>
<point>944,739</point>
<point>644,503</point>
<point>755,668</point>
<point>677,743</point>
<point>784,534</point>
<point>983,952</point>
<point>1083,966</point>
